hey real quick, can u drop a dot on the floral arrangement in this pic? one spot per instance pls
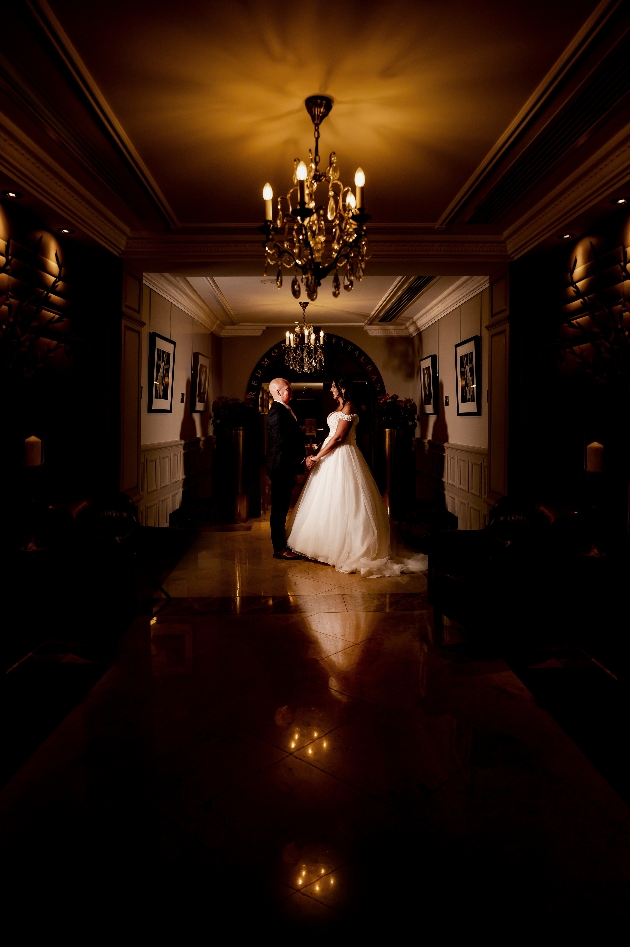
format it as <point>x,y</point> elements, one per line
<point>229,413</point>
<point>393,411</point>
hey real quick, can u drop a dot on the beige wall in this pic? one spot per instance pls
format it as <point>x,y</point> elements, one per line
<point>440,339</point>
<point>162,316</point>
<point>395,358</point>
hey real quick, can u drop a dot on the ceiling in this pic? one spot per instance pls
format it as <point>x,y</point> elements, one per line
<point>211,93</point>
<point>151,128</point>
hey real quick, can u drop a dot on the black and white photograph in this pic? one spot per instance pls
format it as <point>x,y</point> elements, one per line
<point>468,375</point>
<point>429,384</point>
<point>200,382</point>
<point>161,369</point>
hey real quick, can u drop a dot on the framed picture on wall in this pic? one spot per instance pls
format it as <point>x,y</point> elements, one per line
<point>200,382</point>
<point>468,375</point>
<point>161,372</point>
<point>429,384</point>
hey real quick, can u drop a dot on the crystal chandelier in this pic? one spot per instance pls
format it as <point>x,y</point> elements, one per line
<point>297,236</point>
<point>304,349</point>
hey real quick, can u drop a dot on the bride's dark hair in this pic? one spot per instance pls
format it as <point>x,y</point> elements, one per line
<point>345,386</point>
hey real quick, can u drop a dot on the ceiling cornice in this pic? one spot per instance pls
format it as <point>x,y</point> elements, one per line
<point>596,179</point>
<point>180,293</point>
<point>456,295</point>
<point>35,171</point>
<point>533,110</point>
<point>216,289</point>
<point>391,245</point>
<point>90,90</point>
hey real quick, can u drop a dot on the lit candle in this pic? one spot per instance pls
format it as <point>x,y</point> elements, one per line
<point>321,336</point>
<point>33,452</point>
<point>312,338</point>
<point>288,334</point>
<point>268,197</point>
<point>359,182</point>
<point>594,457</point>
<point>350,201</point>
<point>301,174</point>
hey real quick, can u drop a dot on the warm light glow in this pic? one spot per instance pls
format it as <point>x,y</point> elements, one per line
<point>566,236</point>
<point>310,751</point>
<point>359,177</point>
<point>332,881</point>
<point>317,887</point>
<point>301,172</point>
<point>325,744</point>
<point>315,734</point>
<point>153,621</point>
<point>299,881</point>
<point>351,200</point>
<point>292,745</point>
<point>268,192</point>
<point>323,871</point>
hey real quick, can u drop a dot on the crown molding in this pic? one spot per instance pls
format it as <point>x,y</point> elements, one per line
<point>393,246</point>
<point>228,332</point>
<point>96,100</point>
<point>34,170</point>
<point>225,306</point>
<point>456,295</point>
<point>584,40</point>
<point>180,293</point>
<point>387,330</point>
<point>598,177</point>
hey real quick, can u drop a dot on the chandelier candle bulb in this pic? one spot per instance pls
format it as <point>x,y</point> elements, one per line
<point>268,197</point>
<point>594,457</point>
<point>359,183</point>
<point>301,178</point>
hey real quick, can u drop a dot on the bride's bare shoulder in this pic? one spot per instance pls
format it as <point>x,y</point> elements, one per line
<point>349,408</point>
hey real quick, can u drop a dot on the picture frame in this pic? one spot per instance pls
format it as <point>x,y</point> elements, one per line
<point>200,383</point>
<point>161,373</point>
<point>468,376</point>
<point>429,386</point>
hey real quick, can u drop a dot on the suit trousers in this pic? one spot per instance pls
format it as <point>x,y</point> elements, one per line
<point>281,489</point>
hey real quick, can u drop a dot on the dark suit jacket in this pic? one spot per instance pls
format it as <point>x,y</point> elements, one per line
<point>285,441</point>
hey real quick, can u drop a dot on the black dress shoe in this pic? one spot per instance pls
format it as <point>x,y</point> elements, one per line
<point>287,554</point>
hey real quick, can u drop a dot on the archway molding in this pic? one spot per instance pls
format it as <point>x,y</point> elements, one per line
<point>263,370</point>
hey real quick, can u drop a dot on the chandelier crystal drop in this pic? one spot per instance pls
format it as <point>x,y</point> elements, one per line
<point>316,239</point>
<point>304,348</point>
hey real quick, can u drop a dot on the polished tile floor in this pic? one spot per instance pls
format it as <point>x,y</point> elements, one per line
<point>285,745</point>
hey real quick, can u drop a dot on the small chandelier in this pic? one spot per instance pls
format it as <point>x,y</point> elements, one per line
<point>304,349</point>
<point>296,237</point>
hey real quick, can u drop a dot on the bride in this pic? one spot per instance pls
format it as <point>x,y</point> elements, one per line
<point>340,517</point>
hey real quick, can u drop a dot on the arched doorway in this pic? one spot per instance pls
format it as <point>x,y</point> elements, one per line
<point>312,400</point>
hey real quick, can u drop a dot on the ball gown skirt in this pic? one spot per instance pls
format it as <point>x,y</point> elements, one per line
<point>340,517</point>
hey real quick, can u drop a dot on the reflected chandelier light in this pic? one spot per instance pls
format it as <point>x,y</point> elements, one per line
<point>304,348</point>
<point>297,235</point>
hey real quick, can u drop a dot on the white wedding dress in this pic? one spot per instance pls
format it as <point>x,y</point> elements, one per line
<point>341,518</point>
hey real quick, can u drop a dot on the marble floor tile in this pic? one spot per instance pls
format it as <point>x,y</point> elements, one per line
<point>287,746</point>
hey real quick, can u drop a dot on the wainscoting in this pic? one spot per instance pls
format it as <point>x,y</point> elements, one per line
<point>459,475</point>
<point>466,485</point>
<point>171,471</point>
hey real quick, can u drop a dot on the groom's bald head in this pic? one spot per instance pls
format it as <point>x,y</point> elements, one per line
<point>280,390</point>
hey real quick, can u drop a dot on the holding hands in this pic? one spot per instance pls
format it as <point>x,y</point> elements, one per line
<point>310,461</point>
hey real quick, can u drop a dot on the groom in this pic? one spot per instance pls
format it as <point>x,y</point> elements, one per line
<point>285,458</point>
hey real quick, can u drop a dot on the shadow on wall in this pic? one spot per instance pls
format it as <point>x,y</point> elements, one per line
<point>439,434</point>
<point>400,357</point>
<point>188,429</point>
